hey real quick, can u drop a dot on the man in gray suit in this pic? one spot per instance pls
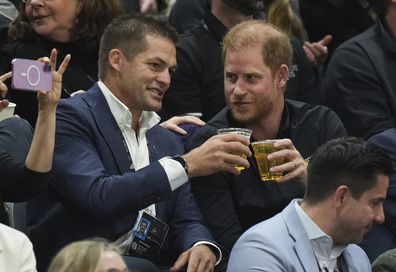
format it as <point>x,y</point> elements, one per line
<point>347,184</point>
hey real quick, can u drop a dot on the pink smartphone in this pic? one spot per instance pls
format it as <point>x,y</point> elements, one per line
<point>31,75</point>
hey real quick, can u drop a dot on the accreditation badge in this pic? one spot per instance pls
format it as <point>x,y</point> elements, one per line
<point>148,236</point>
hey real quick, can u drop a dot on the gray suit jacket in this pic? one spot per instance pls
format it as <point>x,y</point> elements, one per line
<point>281,244</point>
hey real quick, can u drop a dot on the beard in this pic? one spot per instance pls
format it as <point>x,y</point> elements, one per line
<point>257,112</point>
<point>247,7</point>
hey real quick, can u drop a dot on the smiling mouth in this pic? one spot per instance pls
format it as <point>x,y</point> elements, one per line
<point>39,18</point>
<point>157,91</point>
<point>240,104</point>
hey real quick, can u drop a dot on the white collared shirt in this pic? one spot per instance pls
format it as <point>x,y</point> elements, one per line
<point>137,144</point>
<point>322,244</point>
<point>16,251</point>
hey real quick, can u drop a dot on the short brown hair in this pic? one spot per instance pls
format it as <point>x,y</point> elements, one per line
<point>128,33</point>
<point>276,47</point>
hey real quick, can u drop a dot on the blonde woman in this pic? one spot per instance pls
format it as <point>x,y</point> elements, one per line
<point>88,256</point>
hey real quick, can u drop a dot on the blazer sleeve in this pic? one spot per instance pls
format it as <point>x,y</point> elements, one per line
<point>19,183</point>
<point>86,176</point>
<point>187,224</point>
<point>255,252</point>
<point>216,202</point>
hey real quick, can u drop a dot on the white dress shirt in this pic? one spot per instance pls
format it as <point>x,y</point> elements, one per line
<point>16,251</point>
<point>322,244</point>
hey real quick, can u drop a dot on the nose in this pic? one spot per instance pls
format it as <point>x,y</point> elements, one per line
<point>164,77</point>
<point>380,216</point>
<point>239,88</point>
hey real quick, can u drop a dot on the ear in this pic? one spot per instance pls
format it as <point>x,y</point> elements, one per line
<point>115,59</point>
<point>341,195</point>
<point>282,75</point>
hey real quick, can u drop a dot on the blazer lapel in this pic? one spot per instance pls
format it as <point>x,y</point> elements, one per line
<point>156,152</point>
<point>302,245</point>
<point>349,261</point>
<point>306,255</point>
<point>108,128</point>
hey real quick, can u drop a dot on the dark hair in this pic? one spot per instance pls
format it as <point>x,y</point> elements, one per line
<point>128,33</point>
<point>345,161</point>
<point>90,21</point>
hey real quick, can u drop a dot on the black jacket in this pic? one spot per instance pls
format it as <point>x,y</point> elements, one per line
<point>360,83</point>
<point>17,183</point>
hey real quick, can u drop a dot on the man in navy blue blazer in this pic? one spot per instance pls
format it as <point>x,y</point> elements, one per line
<point>113,163</point>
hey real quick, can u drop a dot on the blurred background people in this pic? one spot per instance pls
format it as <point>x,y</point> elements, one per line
<point>360,82</point>
<point>342,19</point>
<point>73,27</point>
<point>147,7</point>
<point>8,13</point>
<point>386,262</point>
<point>186,14</point>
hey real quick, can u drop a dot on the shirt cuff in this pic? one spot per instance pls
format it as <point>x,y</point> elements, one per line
<point>175,172</point>
<point>216,250</point>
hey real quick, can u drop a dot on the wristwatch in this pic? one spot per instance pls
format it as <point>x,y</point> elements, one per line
<point>182,161</point>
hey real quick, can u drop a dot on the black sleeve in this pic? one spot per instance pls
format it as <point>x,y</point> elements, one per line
<point>353,90</point>
<point>302,82</point>
<point>18,183</point>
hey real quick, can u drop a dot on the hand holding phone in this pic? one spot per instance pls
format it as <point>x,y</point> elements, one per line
<point>31,75</point>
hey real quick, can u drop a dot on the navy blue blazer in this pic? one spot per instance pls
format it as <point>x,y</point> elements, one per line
<point>94,193</point>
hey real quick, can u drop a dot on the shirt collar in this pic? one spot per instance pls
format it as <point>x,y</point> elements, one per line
<point>322,243</point>
<point>121,113</point>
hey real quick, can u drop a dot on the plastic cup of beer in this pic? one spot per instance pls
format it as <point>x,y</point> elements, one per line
<point>241,131</point>
<point>261,150</point>
<point>7,112</point>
